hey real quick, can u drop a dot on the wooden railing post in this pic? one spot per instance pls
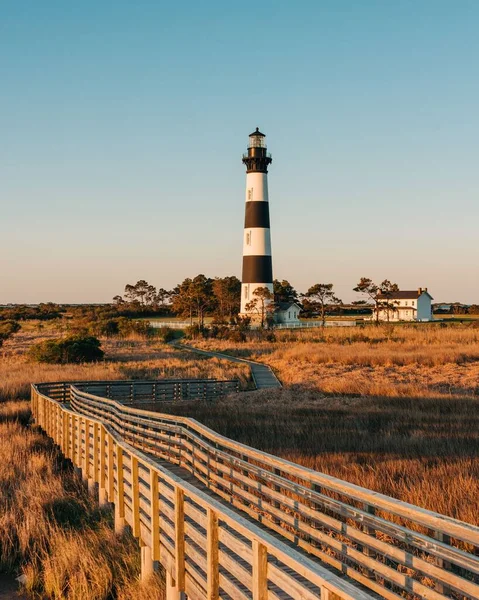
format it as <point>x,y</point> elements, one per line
<point>102,469</point>
<point>135,496</point>
<point>111,471</point>
<point>180,539</point>
<point>260,571</point>
<point>212,567</point>
<point>147,566</point>
<point>172,591</point>
<point>120,498</point>
<point>154,515</point>
<point>442,564</point>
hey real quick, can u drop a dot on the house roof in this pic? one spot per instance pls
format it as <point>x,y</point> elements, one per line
<point>283,306</point>
<point>404,295</point>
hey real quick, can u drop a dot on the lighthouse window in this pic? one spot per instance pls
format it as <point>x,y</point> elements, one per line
<point>246,292</point>
<point>248,238</point>
<point>250,194</point>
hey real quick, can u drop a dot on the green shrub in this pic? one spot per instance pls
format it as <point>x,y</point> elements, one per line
<point>73,349</point>
<point>166,334</point>
<point>7,329</point>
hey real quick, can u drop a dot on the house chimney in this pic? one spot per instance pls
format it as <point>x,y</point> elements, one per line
<point>419,291</point>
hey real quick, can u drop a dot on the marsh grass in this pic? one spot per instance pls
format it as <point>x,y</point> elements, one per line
<point>421,450</point>
<point>51,530</point>
<point>132,358</point>
<point>391,361</point>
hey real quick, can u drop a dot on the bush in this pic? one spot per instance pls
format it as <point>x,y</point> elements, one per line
<point>166,334</point>
<point>128,326</point>
<point>73,349</point>
<point>7,329</point>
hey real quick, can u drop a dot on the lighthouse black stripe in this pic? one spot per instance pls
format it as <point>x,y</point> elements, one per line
<point>257,269</point>
<point>257,214</point>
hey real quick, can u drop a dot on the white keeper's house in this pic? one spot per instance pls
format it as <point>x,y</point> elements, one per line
<point>287,313</point>
<point>405,305</point>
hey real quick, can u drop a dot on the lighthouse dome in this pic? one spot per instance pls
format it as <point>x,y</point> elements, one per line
<point>257,133</point>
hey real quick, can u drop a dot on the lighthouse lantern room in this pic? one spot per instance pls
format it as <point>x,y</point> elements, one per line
<point>257,262</point>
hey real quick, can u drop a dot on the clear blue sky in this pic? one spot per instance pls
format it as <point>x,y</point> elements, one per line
<point>123,123</point>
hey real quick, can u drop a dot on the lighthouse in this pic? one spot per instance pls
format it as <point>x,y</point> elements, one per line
<point>257,262</point>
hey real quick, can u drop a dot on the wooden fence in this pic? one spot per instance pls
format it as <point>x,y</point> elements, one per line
<point>148,392</point>
<point>284,522</point>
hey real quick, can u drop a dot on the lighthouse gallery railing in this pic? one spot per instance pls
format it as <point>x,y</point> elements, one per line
<point>394,549</point>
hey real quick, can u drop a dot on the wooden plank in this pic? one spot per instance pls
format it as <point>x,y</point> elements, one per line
<point>260,571</point>
<point>180,539</point>
<point>212,567</point>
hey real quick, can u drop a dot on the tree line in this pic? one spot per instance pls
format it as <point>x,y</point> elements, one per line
<point>196,298</point>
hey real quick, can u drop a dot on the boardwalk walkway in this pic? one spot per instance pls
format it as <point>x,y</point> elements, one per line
<point>262,375</point>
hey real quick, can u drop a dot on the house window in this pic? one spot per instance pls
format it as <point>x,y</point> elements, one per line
<point>295,315</point>
<point>289,315</point>
<point>250,194</point>
<point>413,302</point>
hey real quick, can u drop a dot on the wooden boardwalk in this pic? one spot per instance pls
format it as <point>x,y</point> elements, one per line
<point>263,376</point>
<point>228,521</point>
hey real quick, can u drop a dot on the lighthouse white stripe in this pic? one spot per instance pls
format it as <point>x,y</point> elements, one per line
<point>247,290</point>
<point>256,187</point>
<point>257,242</point>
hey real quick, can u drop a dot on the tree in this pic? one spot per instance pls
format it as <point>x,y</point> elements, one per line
<point>194,297</point>
<point>182,300</point>
<point>367,287</point>
<point>227,291</point>
<point>284,291</point>
<point>322,294</point>
<point>142,293</point>
<point>202,295</point>
<point>386,290</point>
<point>262,304</point>
<point>163,298</point>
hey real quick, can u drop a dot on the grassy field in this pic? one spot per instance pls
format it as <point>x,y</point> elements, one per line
<point>133,358</point>
<point>394,409</point>
<point>51,531</point>
<point>391,408</point>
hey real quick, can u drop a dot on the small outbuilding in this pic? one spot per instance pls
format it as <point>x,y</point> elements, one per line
<point>287,313</point>
<point>405,305</point>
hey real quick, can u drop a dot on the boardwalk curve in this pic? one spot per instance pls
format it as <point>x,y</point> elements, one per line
<point>229,521</point>
<point>263,376</point>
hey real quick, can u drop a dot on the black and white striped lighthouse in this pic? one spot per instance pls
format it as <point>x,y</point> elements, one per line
<point>257,262</point>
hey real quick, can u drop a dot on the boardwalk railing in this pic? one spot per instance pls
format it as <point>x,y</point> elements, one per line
<point>393,548</point>
<point>148,392</point>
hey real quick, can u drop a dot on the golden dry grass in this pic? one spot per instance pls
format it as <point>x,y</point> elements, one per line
<point>391,361</point>
<point>393,408</point>
<point>134,358</point>
<point>421,450</point>
<point>50,528</point>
